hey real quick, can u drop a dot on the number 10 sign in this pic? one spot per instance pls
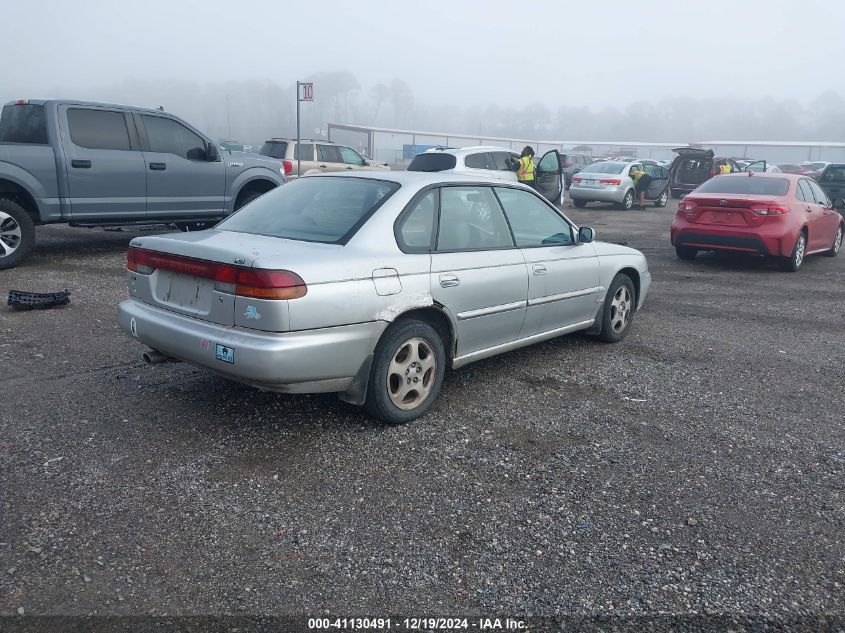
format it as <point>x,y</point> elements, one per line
<point>306,92</point>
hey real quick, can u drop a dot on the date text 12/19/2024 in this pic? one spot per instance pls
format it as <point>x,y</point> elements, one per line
<point>417,624</point>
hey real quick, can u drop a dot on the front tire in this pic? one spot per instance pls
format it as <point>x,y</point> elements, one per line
<point>407,372</point>
<point>663,200</point>
<point>580,204</point>
<point>793,263</point>
<point>837,243</point>
<point>618,310</point>
<point>628,200</point>
<point>17,234</point>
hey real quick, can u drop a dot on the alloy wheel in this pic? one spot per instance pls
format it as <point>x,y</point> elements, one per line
<point>10,234</point>
<point>620,310</point>
<point>800,247</point>
<point>411,373</point>
<point>837,241</point>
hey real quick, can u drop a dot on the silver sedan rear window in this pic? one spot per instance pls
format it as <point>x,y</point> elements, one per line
<point>319,209</point>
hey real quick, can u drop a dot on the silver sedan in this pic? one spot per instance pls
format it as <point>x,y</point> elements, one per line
<point>372,285</point>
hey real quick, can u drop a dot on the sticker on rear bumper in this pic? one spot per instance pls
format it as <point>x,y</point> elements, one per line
<point>226,354</point>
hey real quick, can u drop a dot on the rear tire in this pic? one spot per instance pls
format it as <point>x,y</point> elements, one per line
<point>579,203</point>
<point>793,263</point>
<point>686,252</point>
<point>17,234</point>
<point>837,243</point>
<point>407,372</point>
<point>618,310</point>
<point>663,200</point>
<point>628,200</point>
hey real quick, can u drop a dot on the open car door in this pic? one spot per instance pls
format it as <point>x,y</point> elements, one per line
<point>550,177</point>
<point>659,182</point>
<point>756,166</point>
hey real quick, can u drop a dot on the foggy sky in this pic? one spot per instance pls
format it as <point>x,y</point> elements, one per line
<point>507,53</point>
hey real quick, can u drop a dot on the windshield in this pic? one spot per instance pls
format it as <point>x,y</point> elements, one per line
<point>23,123</point>
<point>748,185</point>
<point>316,209</point>
<point>834,172</point>
<point>274,149</point>
<point>432,162</point>
<point>604,168</point>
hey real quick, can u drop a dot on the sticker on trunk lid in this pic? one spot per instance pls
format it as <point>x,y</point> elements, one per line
<point>225,354</point>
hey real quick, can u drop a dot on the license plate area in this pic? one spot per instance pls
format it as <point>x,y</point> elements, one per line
<point>192,296</point>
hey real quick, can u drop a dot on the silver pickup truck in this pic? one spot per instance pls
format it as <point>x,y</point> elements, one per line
<point>93,164</point>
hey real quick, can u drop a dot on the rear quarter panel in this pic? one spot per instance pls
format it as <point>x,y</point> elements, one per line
<point>33,167</point>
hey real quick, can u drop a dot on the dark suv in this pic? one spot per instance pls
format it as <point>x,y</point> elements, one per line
<point>694,165</point>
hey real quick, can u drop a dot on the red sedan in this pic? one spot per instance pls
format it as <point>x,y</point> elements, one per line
<point>780,215</point>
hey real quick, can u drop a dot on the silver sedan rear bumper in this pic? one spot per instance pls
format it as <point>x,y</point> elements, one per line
<point>308,361</point>
<point>599,194</point>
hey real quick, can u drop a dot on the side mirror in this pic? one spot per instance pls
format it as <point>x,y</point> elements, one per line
<point>586,234</point>
<point>212,154</point>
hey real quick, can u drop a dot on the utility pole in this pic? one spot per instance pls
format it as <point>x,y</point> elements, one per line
<point>228,120</point>
<point>298,147</point>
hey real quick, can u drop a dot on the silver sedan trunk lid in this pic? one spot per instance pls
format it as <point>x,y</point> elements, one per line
<point>193,295</point>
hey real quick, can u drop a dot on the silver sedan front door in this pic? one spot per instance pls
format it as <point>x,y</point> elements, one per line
<point>563,274</point>
<point>477,273</point>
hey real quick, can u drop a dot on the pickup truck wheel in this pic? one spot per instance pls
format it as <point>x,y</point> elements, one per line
<point>246,198</point>
<point>194,226</point>
<point>17,233</point>
<point>407,372</point>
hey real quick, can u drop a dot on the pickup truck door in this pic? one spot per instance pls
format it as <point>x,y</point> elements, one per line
<point>181,181</point>
<point>103,164</point>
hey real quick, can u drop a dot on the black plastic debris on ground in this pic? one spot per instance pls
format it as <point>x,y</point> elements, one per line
<point>38,300</point>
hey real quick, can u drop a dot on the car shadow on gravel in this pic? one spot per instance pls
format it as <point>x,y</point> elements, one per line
<point>739,262</point>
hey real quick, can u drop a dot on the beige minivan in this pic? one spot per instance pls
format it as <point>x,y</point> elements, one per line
<point>316,157</point>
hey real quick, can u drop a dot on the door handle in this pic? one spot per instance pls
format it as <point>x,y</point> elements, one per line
<point>158,166</point>
<point>322,166</point>
<point>348,168</point>
<point>539,269</point>
<point>447,281</point>
<point>80,164</point>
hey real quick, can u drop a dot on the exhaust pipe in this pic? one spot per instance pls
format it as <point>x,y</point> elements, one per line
<point>154,357</point>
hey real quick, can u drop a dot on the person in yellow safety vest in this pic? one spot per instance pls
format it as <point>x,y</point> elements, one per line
<point>525,166</point>
<point>725,168</point>
<point>641,181</point>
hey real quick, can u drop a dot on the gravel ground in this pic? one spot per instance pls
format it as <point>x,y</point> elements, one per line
<point>698,468</point>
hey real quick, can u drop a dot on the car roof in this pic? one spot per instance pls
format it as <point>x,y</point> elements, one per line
<point>458,151</point>
<point>414,177</point>
<point>280,139</point>
<point>763,174</point>
<point>614,162</point>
